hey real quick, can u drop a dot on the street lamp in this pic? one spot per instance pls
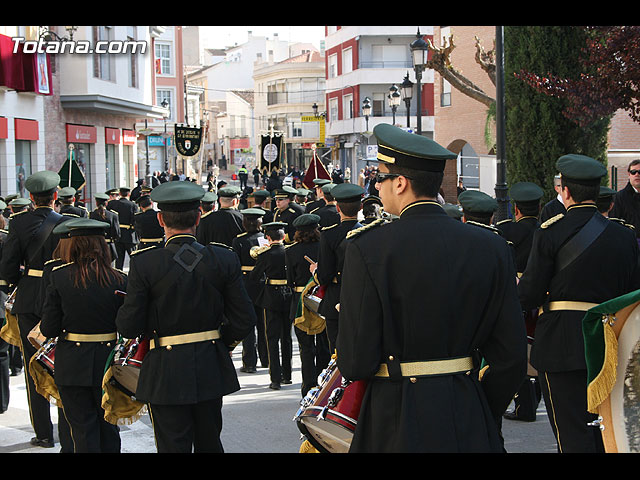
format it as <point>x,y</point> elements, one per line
<point>407,93</point>
<point>394,100</point>
<point>419,53</point>
<point>366,110</point>
<point>164,105</point>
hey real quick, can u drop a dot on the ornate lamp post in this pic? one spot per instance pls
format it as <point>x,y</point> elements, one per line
<point>419,52</point>
<point>366,110</point>
<point>394,100</point>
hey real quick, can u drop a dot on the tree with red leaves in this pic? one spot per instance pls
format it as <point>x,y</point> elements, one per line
<point>612,60</point>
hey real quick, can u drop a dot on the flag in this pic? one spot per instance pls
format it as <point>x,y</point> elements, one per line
<point>316,170</point>
<point>71,178</point>
<point>271,151</point>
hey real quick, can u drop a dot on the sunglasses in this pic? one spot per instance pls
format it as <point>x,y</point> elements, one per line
<point>634,172</point>
<point>381,177</point>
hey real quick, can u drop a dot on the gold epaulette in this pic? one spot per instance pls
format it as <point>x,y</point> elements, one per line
<point>113,211</point>
<point>255,251</point>
<point>223,245</point>
<point>61,266</point>
<point>67,214</point>
<point>241,234</point>
<point>357,231</point>
<point>205,214</point>
<point>552,220</point>
<point>135,252</point>
<point>622,221</point>
<point>506,220</point>
<point>292,210</point>
<point>18,213</point>
<point>330,226</point>
<point>487,227</point>
<point>52,260</point>
<point>291,245</point>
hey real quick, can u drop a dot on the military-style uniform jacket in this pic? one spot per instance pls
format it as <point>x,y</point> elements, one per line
<point>126,210</point>
<point>606,269</point>
<point>520,234</point>
<point>4,285</point>
<point>298,274</point>
<point>415,290</point>
<point>311,207</point>
<point>328,215</point>
<point>73,211</point>
<point>270,270</point>
<point>71,309</point>
<point>191,372</point>
<point>288,215</point>
<point>113,232</point>
<point>330,260</point>
<point>551,209</point>
<point>22,228</point>
<point>242,245</point>
<point>148,228</point>
<point>221,226</point>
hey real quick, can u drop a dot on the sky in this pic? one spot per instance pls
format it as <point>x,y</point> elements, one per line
<point>225,36</point>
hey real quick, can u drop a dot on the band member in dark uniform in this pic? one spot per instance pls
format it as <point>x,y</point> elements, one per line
<point>519,231</point>
<point>371,209</point>
<point>314,349</point>
<point>103,214</point>
<point>224,224</point>
<point>318,183</point>
<point>80,310</point>
<point>242,245</point>
<point>578,259</point>
<point>260,201</point>
<point>67,198</point>
<point>331,254</point>
<point>188,369</point>
<point>147,227</point>
<point>418,303</point>
<point>286,211</point>
<point>126,210</point>
<point>328,213</point>
<point>29,244</point>
<point>275,298</point>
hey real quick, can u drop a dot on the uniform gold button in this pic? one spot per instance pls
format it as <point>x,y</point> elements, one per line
<point>77,344</point>
<point>213,341</point>
<point>413,379</point>
<point>391,357</point>
<point>169,347</point>
<point>108,344</point>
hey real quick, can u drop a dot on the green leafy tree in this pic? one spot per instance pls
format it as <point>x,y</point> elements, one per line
<point>537,128</point>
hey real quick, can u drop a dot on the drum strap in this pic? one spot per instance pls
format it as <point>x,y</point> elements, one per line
<point>581,241</point>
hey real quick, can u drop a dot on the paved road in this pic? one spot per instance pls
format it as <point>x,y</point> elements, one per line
<point>256,420</point>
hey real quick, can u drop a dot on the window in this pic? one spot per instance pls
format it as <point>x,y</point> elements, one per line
<point>333,109</point>
<point>110,165</point>
<point>162,95</point>
<point>82,156</point>
<point>103,63</point>
<point>163,59</point>
<point>347,106</point>
<point>333,66</point>
<point>347,61</point>
<point>23,165</point>
<point>469,167</point>
<point>133,58</point>
<point>378,104</point>
<point>445,96</point>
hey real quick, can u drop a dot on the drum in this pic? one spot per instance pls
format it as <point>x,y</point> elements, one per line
<point>328,414</point>
<point>35,337</point>
<point>46,356</point>
<point>313,298</point>
<point>127,362</point>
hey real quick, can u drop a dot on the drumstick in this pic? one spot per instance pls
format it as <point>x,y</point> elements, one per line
<point>120,293</point>
<point>308,259</point>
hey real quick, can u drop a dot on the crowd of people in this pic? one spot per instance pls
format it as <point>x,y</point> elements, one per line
<point>431,303</point>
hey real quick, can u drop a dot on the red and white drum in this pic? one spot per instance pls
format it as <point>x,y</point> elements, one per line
<point>127,363</point>
<point>46,355</point>
<point>328,414</point>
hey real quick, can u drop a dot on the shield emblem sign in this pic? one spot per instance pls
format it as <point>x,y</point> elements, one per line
<point>188,140</point>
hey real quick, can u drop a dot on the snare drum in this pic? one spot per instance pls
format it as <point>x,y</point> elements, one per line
<point>313,298</point>
<point>328,414</point>
<point>46,356</point>
<point>127,362</point>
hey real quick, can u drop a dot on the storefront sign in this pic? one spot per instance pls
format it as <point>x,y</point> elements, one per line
<point>26,129</point>
<point>112,136</point>
<point>128,137</point>
<point>4,129</point>
<point>81,134</point>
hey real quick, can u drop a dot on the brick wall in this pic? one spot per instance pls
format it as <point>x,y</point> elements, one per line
<point>463,122</point>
